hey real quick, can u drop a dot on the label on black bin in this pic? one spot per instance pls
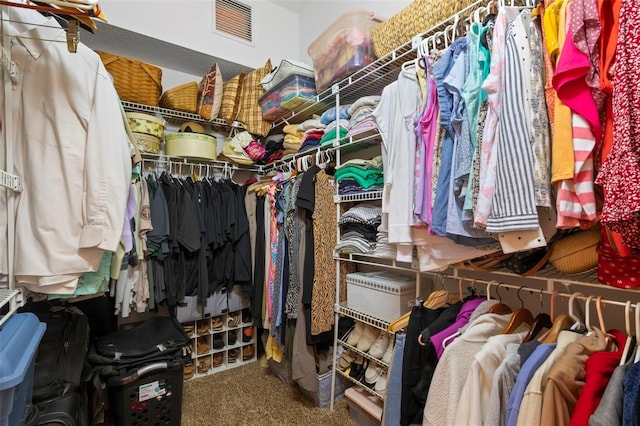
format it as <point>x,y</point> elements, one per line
<point>151,390</point>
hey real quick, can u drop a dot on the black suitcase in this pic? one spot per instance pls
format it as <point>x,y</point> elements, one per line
<point>64,410</point>
<point>62,351</point>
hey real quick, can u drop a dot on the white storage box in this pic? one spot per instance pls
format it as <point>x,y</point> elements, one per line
<point>380,294</point>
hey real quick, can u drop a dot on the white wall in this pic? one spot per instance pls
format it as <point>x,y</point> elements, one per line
<point>189,23</point>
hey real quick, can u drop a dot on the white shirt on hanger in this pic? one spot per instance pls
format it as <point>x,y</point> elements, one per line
<point>71,149</point>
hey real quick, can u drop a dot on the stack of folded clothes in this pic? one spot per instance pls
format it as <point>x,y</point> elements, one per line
<point>384,249</point>
<point>313,131</point>
<point>358,229</point>
<point>336,125</point>
<point>360,176</point>
<point>274,149</point>
<point>292,139</point>
<point>361,113</point>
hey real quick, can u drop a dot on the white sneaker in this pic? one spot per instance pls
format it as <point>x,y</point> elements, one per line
<point>372,374</point>
<point>379,347</point>
<point>355,334</point>
<point>381,383</point>
<point>368,337</point>
<point>388,354</point>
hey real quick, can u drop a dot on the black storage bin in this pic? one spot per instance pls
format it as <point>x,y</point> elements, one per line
<point>149,396</point>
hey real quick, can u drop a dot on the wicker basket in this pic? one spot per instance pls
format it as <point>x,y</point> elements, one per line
<point>576,253</point>
<point>181,98</point>
<point>416,18</point>
<point>135,81</point>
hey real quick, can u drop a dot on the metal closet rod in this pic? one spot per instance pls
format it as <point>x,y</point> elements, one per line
<point>498,284</point>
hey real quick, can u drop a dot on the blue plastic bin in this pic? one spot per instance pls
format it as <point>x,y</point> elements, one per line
<point>19,339</point>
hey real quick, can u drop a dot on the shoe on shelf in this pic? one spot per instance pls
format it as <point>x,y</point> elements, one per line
<point>233,320</point>
<point>379,347</point>
<point>247,352</point>
<point>217,359</point>
<point>369,335</point>
<point>203,327</point>
<point>216,323</point>
<point>355,334</point>
<point>247,334</point>
<point>358,367</point>
<point>346,359</point>
<point>232,337</point>
<point>246,316</point>
<point>372,374</point>
<point>202,348</point>
<point>188,329</point>
<point>232,355</point>
<point>204,363</point>
<point>388,354</point>
<point>381,384</point>
<point>189,371</point>
<point>218,342</point>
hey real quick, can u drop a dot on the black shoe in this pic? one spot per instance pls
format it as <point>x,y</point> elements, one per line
<point>232,337</point>
<point>246,315</point>
<point>218,343</point>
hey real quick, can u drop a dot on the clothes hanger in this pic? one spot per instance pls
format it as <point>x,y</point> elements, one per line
<point>560,322</point>
<point>540,322</point>
<point>627,329</point>
<point>498,308</point>
<point>637,357</point>
<point>577,324</point>
<point>519,317</point>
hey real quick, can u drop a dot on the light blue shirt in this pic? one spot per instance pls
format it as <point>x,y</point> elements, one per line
<point>527,371</point>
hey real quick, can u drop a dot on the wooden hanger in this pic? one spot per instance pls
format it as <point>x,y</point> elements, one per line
<point>519,317</point>
<point>540,322</point>
<point>498,308</point>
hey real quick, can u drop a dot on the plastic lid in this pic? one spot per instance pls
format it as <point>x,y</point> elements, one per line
<point>19,339</point>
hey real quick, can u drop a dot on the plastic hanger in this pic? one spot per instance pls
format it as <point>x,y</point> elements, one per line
<point>498,308</point>
<point>519,317</point>
<point>560,322</point>
<point>540,322</point>
<point>637,357</point>
<point>627,328</point>
<point>577,325</point>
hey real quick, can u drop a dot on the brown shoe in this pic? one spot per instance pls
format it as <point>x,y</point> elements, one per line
<point>234,319</point>
<point>216,323</point>
<point>217,359</point>
<point>203,327</point>
<point>189,371</point>
<point>202,348</point>
<point>247,352</point>
<point>204,363</point>
<point>232,355</point>
<point>188,329</point>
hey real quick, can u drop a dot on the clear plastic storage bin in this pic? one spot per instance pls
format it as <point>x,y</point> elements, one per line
<point>343,47</point>
<point>19,339</point>
<point>291,94</point>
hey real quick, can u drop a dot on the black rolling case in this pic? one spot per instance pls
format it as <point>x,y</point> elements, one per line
<point>63,410</point>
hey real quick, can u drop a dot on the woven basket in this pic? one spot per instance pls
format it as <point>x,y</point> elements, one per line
<point>135,81</point>
<point>416,18</point>
<point>181,98</point>
<point>576,253</point>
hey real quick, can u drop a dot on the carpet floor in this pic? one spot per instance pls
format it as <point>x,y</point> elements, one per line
<point>252,395</point>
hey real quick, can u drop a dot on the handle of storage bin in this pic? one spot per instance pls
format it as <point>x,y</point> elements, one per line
<point>151,368</point>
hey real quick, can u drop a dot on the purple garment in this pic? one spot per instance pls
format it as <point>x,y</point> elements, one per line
<point>127,234</point>
<point>461,320</point>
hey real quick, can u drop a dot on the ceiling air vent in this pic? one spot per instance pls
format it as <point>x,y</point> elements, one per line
<point>234,18</point>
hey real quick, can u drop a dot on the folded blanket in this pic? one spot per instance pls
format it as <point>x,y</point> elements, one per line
<point>330,115</point>
<point>312,123</point>
<point>370,101</point>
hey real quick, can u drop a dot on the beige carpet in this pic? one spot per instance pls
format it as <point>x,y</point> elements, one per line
<point>252,395</point>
